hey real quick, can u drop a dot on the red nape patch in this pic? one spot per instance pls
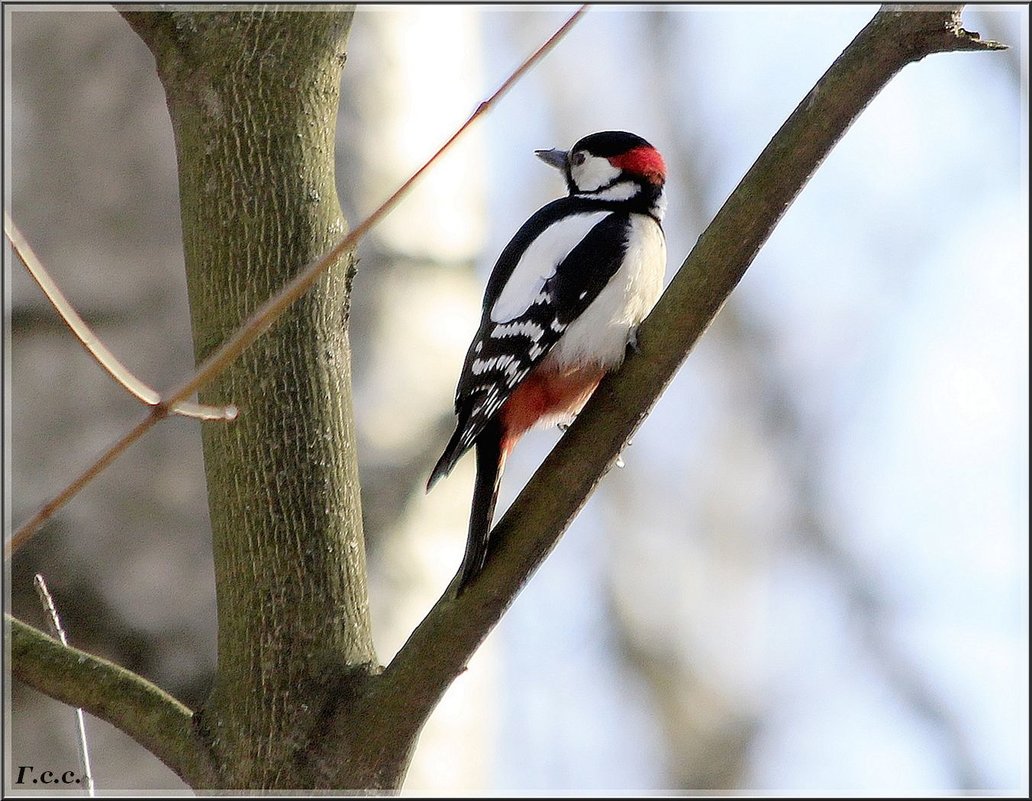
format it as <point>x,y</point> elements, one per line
<point>644,161</point>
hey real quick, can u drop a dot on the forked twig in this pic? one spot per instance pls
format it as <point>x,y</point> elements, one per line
<point>58,633</point>
<point>269,311</point>
<point>89,340</point>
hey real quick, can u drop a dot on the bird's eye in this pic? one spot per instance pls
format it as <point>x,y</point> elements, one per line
<point>577,159</point>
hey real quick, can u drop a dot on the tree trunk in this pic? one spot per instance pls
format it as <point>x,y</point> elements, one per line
<point>253,99</point>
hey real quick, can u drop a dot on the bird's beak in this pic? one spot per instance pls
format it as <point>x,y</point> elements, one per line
<point>556,158</point>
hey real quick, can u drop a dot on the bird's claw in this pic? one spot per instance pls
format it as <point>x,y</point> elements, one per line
<point>632,340</point>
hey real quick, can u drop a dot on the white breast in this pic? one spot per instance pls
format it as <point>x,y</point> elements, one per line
<point>599,336</point>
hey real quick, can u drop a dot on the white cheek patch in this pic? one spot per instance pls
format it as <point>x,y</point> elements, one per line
<point>538,263</point>
<point>624,190</point>
<point>594,173</point>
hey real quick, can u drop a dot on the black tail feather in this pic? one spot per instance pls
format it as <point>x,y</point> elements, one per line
<point>452,453</point>
<point>485,494</point>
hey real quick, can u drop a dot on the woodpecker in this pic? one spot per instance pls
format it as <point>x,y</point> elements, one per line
<point>561,306</point>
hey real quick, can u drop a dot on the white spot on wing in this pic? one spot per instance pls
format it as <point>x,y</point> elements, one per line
<point>538,263</point>
<point>524,328</point>
<point>496,363</point>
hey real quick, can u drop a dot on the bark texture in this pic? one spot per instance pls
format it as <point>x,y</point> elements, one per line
<point>253,98</point>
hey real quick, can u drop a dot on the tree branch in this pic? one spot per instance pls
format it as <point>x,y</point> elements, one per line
<point>142,710</point>
<point>107,360</point>
<point>439,648</point>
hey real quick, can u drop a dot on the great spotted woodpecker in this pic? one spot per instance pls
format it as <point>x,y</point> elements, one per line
<point>562,303</point>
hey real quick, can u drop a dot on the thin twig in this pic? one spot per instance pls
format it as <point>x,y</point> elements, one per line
<point>267,314</point>
<point>30,526</point>
<point>55,629</point>
<point>89,340</point>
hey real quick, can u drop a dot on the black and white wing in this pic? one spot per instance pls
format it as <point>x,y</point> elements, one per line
<point>551,271</point>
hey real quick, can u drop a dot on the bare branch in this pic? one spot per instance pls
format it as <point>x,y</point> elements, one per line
<point>439,648</point>
<point>25,531</point>
<point>89,340</point>
<point>142,710</point>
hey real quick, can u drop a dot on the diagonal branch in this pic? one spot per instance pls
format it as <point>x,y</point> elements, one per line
<point>25,531</point>
<point>274,307</point>
<point>89,340</point>
<point>439,648</point>
<point>142,710</point>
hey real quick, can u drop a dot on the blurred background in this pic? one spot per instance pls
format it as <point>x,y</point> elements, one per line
<point>811,576</point>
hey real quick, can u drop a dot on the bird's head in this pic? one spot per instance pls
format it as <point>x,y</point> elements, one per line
<point>611,165</point>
